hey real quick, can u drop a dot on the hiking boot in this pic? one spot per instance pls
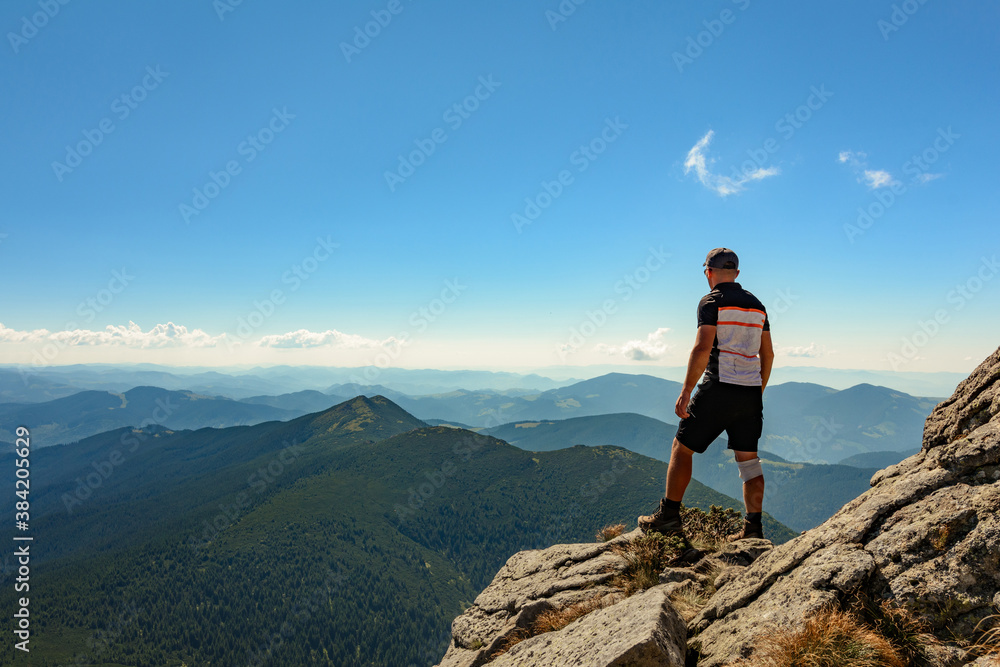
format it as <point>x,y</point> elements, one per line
<point>750,530</point>
<point>665,521</point>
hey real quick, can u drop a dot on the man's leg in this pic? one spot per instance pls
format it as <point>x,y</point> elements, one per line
<point>699,429</point>
<point>667,519</point>
<point>753,489</point>
<point>679,471</point>
<point>753,494</point>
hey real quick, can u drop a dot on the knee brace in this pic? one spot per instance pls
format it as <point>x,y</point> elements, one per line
<point>750,469</point>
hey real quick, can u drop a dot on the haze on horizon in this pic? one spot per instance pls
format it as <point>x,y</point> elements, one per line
<point>399,184</point>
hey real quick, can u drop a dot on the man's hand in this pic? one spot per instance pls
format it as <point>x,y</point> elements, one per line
<point>681,406</point>
<point>766,359</point>
<point>697,362</point>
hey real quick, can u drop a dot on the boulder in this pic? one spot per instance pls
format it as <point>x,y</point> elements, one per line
<point>641,631</point>
<point>529,583</point>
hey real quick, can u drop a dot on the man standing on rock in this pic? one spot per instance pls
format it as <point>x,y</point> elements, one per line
<point>733,350</point>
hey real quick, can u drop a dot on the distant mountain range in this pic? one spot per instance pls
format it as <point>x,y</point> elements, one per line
<point>41,383</point>
<point>38,384</point>
<point>915,383</point>
<point>300,402</point>
<point>803,422</point>
<point>879,460</point>
<point>90,412</point>
<point>351,536</point>
<point>807,422</point>
<point>16,387</point>
<point>30,384</point>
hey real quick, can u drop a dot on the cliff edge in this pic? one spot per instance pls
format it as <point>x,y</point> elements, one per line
<point>925,539</point>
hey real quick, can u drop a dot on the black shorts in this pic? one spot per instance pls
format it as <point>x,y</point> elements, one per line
<point>718,407</point>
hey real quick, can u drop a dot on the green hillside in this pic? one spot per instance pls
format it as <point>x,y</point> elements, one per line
<point>639,433</point>
<point>373,535</point>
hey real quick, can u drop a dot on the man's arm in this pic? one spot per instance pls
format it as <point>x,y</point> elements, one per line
<point>697,362</point>
<point>766,358</point>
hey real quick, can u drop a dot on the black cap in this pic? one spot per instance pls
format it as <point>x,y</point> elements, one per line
<point>722,258</point>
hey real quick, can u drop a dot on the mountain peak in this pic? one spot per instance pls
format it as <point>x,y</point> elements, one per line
<point>363,402</point>
<point>376,415</point>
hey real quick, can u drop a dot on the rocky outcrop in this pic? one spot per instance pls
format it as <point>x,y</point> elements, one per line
<point>975,403</point>
<point>926,536</point>
<point>641,630</point>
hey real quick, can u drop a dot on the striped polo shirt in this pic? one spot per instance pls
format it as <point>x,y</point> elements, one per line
<point>739,318</point>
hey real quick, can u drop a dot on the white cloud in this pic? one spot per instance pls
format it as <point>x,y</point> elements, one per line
<point>15,336</point>
<point>857,159</point>
<point>130,335</point>
<point>811,351</point>
<point>566,349</point>
<point>873,178</point>
<point>172,335</point>
<point>877,178</point>
<point>651,349</point>
<point>304,338</point>
<point>722,185</point>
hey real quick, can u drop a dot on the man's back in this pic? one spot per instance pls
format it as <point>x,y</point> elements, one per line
<point>740,319</point>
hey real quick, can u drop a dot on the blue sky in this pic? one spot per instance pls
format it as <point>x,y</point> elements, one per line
<point>249,203</point>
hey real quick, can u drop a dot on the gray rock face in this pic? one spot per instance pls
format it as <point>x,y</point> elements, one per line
<point>641,631</point>
<point>975,402</point>
<point>926,535</point>
<point>528,584</point>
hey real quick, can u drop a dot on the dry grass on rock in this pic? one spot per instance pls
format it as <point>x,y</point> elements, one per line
<point>829,638</point>
<point>645,558</point>
<point>989,643</point>
<point>610,532</point>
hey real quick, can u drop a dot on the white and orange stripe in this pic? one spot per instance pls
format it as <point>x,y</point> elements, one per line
<point>738,332</point>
